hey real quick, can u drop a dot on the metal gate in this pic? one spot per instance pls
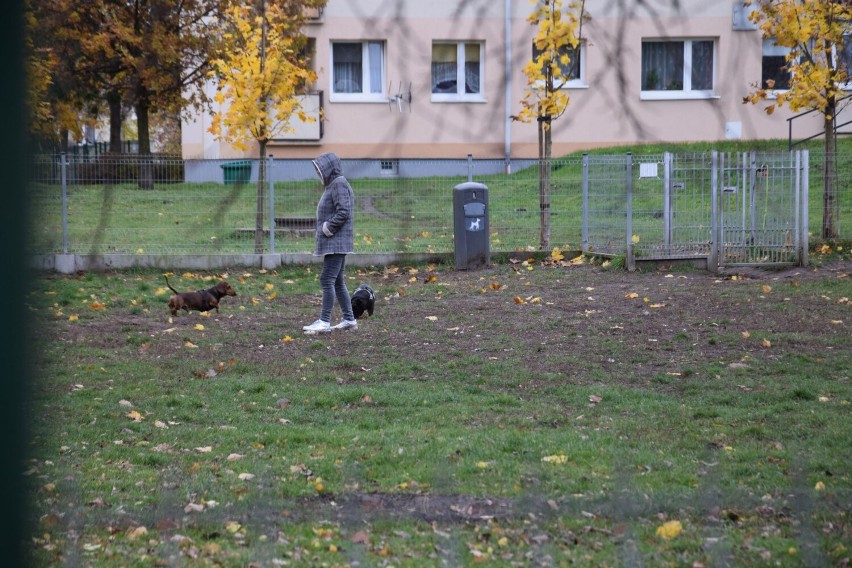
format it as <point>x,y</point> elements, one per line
<point>760,208</point>
<point>731,209</point>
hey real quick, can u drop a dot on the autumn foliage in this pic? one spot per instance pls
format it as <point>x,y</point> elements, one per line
<point>814,32</point>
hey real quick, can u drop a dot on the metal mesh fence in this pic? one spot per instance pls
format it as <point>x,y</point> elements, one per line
<point>164,206</point>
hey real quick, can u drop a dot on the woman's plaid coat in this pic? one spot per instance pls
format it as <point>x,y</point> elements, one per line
<point>335,232</point>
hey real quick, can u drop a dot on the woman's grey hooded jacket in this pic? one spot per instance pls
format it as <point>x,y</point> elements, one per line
<point>335,228</point>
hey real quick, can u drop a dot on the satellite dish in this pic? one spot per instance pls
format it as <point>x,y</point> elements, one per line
<point>400,98</point>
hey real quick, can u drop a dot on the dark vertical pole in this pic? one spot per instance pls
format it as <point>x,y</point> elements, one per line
<point>16,332</point>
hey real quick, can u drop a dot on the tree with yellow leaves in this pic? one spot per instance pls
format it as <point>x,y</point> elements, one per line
<point>813,31</point>
<point>556,46</point>
<point>259,79</point>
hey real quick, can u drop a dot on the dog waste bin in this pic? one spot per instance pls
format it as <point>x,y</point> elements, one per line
<point>470,226</point>
<point>236,172</point>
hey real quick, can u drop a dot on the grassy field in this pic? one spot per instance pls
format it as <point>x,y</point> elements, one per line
<point>393,214</point>
<point>535,413</point>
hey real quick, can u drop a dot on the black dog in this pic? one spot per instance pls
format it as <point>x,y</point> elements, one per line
<point>363,298</point>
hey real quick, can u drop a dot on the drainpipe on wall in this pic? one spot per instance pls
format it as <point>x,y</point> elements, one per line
<point>508,135</point>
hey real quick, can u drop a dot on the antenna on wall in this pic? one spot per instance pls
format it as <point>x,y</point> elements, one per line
<point>400,98</point>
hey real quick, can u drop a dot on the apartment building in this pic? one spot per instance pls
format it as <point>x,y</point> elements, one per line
<point>408,79</point>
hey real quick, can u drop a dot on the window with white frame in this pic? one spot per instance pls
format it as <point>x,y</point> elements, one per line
<point>678,69</point>
<point>457,71</point>
<point>844,59</point>
<point>773,66</point>
<point>357,71</point>
<point>575,70</point>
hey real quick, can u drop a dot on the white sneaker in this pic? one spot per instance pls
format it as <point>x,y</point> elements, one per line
<point>347,324</point>
<point>318,326</point>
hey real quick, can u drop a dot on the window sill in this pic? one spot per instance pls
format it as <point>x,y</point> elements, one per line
<point>575,84</point>
<point>372,98</point>
<point>677,96</point>
<point>458,99</point>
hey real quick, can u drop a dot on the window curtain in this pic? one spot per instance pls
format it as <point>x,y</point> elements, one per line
<point>662,66</point>
<point>444,68</point>
<point>347,67</point>
<point>471,68</point>
<point>702,65</point>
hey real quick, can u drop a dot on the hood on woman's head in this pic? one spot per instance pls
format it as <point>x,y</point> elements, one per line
<point>328,167</point>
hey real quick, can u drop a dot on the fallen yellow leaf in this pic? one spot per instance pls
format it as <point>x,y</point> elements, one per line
<point>199,327</point>
<point>233,527</point>
<point>746,334</point>
<point>135,533</point>
<point>560,458</point>
<point>631,295</point>
<point>669,530</point>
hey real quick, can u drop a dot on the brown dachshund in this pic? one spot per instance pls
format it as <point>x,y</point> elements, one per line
<point>202,300</point>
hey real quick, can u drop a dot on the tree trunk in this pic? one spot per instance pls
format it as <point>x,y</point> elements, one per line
<point>258,220</point>
<point>146,173</point>
<point>830,205</point>
<point>114,102</point>
<point>544,170</point>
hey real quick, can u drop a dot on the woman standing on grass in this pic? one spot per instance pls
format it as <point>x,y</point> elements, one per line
<point>335,236</point>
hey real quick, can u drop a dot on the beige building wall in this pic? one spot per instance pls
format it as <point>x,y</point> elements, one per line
<point>608,109</point>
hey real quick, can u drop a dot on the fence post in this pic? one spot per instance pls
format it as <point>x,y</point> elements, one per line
<point>713,261</point>
<point>470,167</point>
<point>64,177</point>
<point>667,202</point>
<point>271,205</point>
<point>585,203</point>
<point>631,258</point>
<point>805,175</point>
<point>752,202</point>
